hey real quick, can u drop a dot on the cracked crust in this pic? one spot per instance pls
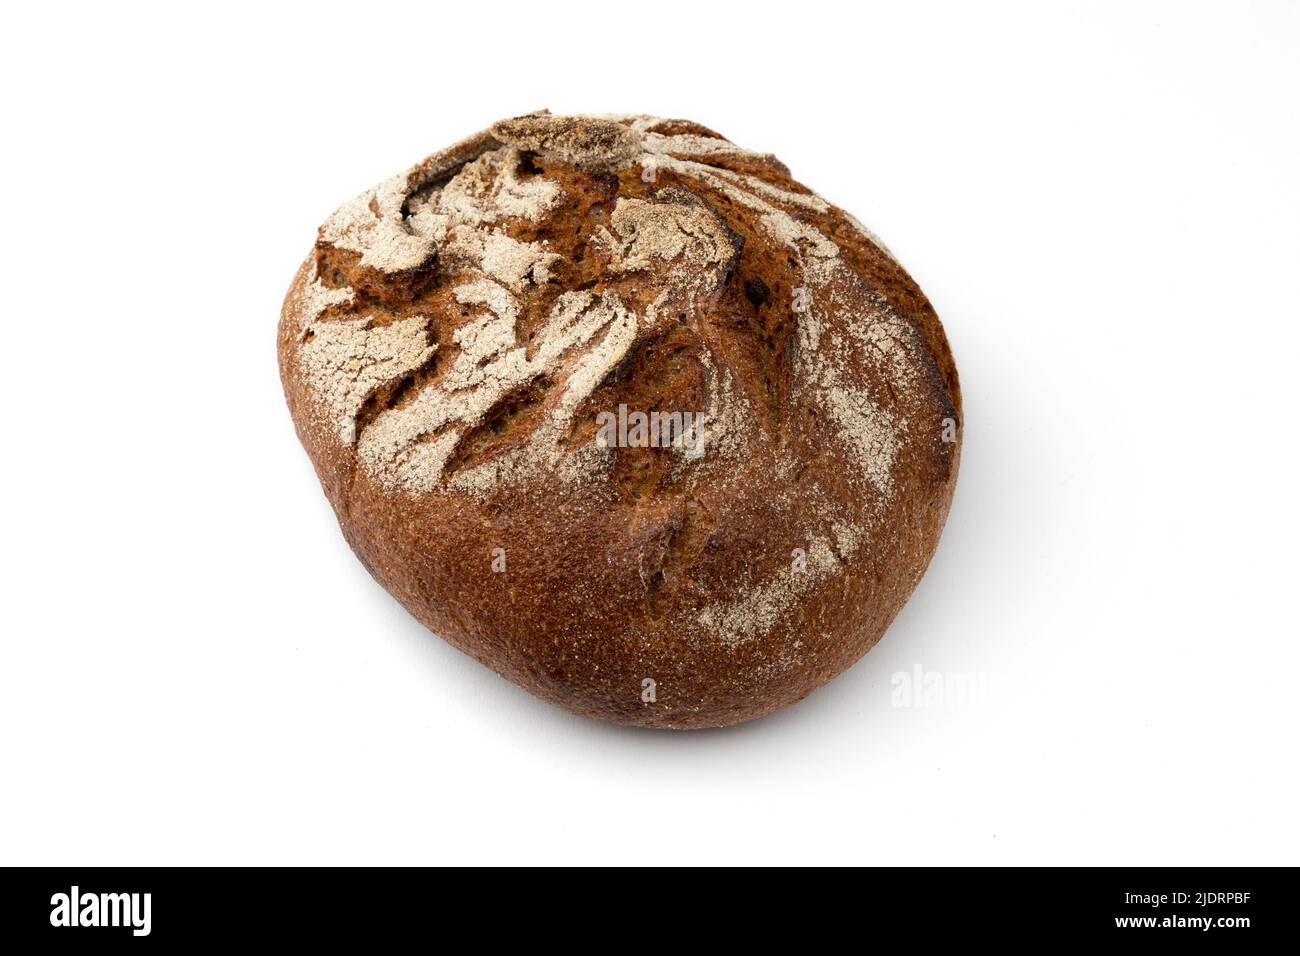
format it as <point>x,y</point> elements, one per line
<point>447,348</point>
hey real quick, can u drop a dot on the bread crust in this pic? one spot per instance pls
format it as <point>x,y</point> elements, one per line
<point>450,343</point>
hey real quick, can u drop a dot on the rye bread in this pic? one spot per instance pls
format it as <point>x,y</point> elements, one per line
<point>450,345</point>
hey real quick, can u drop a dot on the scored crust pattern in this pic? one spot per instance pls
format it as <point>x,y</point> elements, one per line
<point>459,326</point>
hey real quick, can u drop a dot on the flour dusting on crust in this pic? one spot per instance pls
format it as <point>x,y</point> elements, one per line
<point>347,360</point>
<point>454,210</point>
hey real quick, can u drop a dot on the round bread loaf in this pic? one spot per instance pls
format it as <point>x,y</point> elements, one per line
<point>625,413</point>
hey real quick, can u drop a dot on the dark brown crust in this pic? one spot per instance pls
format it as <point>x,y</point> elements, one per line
<point>599,585</point>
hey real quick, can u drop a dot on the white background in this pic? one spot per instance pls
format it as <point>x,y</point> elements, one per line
<point>1102,201</point>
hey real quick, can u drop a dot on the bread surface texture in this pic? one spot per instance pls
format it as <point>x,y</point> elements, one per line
<point>624,412</point>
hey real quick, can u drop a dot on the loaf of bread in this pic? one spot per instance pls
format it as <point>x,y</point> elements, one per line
<point>627,414</point>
